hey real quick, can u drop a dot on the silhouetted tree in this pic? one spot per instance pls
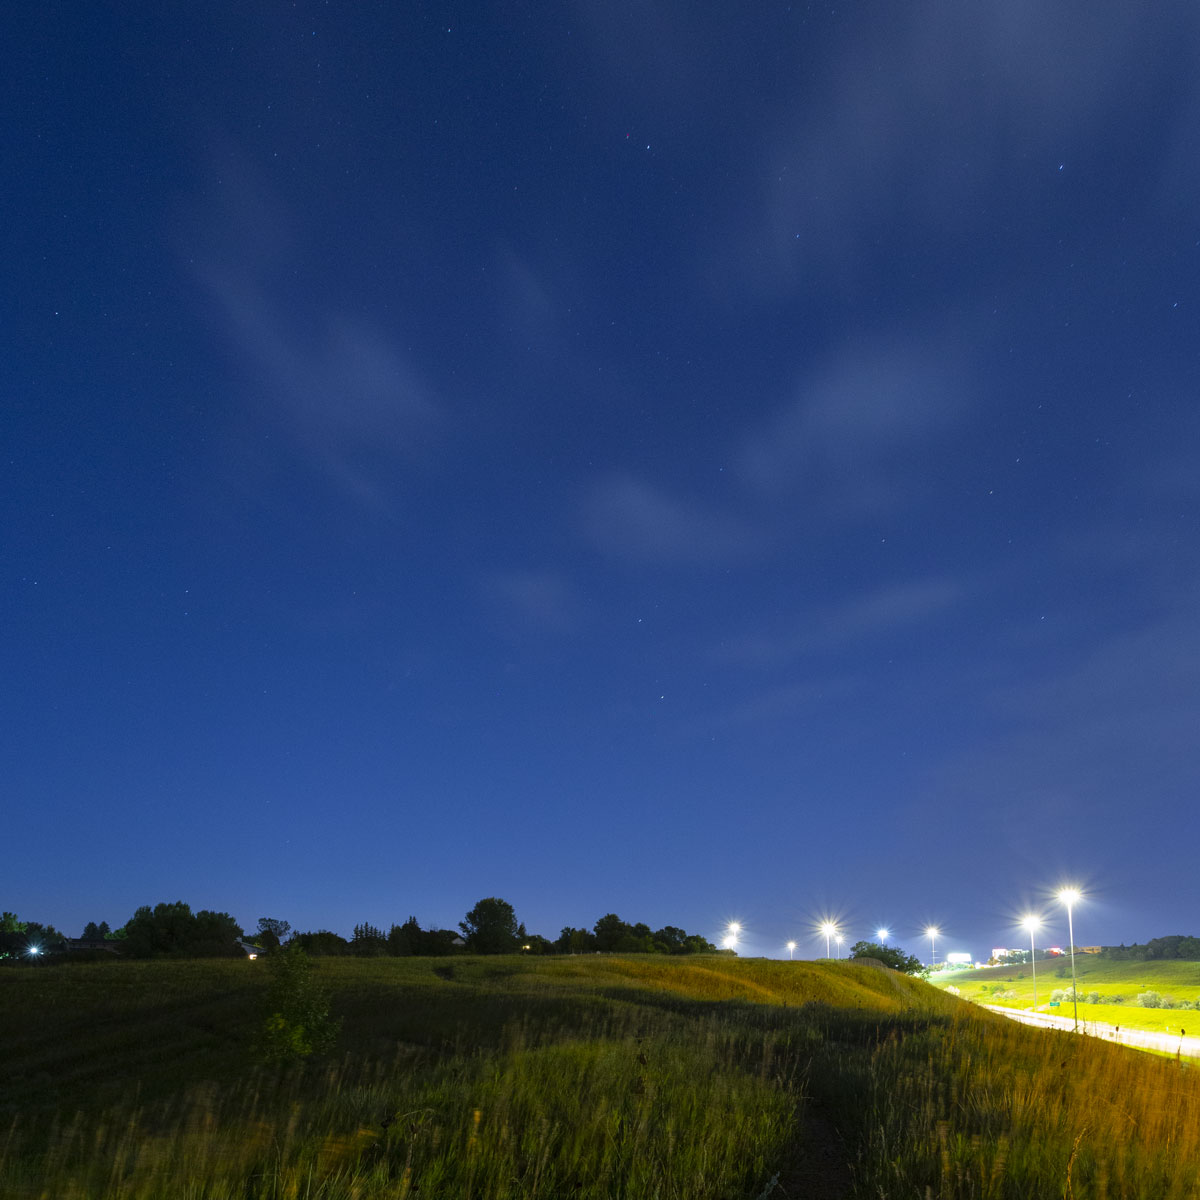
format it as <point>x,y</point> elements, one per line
<point>321,942</point>
<point>890,956</point>
<point>575,941</point>
<point>491,927</point>
<point>402,938</point>
<point>610,930</point>
<point>174,931</point>
<point>272,932</point>
<point>19,939</point>
<point>368,941</point>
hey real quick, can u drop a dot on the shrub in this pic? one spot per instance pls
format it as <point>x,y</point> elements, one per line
<point>1093,997</point>
<point>1150,1000</point>
<point>298,1022</point>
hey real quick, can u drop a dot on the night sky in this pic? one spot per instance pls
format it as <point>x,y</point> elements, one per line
<point>691,460</point>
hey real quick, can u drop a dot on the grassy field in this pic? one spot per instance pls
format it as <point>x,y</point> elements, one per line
<point>1177,981</point>
<point>585,1077</point>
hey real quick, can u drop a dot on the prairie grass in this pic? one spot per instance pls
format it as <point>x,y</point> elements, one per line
<point>982,1107</point>
<point>575,1077</point>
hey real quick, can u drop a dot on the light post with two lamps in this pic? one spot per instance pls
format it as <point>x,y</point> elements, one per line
<point>732,930</point>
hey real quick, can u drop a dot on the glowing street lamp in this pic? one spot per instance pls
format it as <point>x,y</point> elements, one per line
<point>839,939</point>
<point>931,933</point>
<point>828,928</point>
<point>1033,924</point>
<point>1069,896</point>
<point>791,949</point>
<point>731,935</point>
<point>882,935</point>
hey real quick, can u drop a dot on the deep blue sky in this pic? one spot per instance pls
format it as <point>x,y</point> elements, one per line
<point>671,458</point>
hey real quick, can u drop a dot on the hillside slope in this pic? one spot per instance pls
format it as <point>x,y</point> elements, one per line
<point>591,1077</point>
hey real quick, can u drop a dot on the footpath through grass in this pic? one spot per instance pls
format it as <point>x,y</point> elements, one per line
<point>1111,992</point>
<point>573,1077</point>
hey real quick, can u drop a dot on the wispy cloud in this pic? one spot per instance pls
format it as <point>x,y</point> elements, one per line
<point>872,614</point>
<point>544,600</point>
<point>895,121</point>
<point>789,701</point>
<point>854,436</point>
<point>630,518</point>
<point>338,383</point>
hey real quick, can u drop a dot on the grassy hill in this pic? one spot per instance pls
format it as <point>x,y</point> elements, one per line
<point>581,1077</point>
<point>1115,986</point>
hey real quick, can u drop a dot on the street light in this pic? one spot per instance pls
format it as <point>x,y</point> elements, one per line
<point>882,935</point>
<point>828,928</point>
<point>839,941</point>
<point>791,949</point>
<point>931,933</point>
<point>1069,896</point>
<point>1033,924</point>
<point>731,935</point>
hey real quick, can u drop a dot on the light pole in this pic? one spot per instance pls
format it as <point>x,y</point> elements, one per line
<point>1069,896</point>
<point>882,935</point>
<point>931,933</point>
<point>839,940</point>
<point>1033,923</point>
<point>828,929</point>
<point>731,935</point>
<point>791,949</point>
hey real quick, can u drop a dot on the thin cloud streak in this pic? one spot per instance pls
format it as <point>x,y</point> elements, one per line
<point>544,600</point>
<point>850,437</point>
<point>337,383</point>
<point>629,518</point>
<point>893,124</point>
<point>870,615</point>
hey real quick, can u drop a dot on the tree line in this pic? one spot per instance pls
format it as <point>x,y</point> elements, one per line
<point>491,927</point>
<point>1175,945</point>
<point>173,930</point>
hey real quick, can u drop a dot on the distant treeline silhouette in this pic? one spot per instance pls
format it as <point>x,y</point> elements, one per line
<point>491,927</point>
<point>1176,945</point>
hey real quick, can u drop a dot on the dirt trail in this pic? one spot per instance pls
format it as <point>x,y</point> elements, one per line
<point>819,1169</point>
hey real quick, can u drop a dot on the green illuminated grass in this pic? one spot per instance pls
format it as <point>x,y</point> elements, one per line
<point>1175,979</point>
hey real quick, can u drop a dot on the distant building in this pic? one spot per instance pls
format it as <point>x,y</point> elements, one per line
<point>109,944</point>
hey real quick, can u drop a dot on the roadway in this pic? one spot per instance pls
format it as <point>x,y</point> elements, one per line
<point>1143,1039</point>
